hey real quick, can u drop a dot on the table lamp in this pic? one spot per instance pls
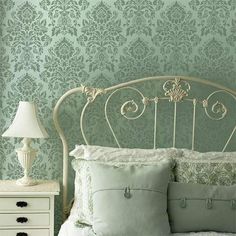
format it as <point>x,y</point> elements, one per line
<point>26,125</point>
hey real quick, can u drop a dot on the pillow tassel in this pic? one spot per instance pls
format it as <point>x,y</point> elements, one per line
<point>209,203</point>
<point>183,202</point>
<point>233,204</point>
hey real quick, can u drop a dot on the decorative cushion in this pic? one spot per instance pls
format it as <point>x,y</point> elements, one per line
<point>130,200</point>
<point>82,210</point>
<point>212,168</point>
<point>197,207</point>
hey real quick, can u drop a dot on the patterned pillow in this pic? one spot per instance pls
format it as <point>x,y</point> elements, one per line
<point>211,168</point>
<point>82,210</point>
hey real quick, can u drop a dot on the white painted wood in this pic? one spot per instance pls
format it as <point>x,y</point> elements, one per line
<point>43,187</point>
<point>30,232</point>
<point>52,199</point>
<point>39,211</point>
<point>41,219</point>
<point>33,204</point>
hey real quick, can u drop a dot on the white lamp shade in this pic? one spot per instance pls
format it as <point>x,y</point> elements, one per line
<point>26,123</point>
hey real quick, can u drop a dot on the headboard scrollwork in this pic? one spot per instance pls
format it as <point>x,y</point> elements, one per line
<point>174,90</point>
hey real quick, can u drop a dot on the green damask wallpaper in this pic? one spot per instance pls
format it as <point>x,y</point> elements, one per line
<point>49,46</point>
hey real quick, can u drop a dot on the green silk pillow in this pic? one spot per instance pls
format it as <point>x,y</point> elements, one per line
<point>197,207</point>
<point>130,200</point>
<point>82,210</point>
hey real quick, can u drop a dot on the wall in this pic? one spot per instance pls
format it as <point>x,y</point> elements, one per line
<point>49,46</point>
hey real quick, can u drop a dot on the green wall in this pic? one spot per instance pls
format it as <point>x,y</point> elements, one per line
<point>50,46</point>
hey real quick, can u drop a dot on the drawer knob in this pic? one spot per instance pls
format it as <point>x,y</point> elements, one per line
<point>21,220</point>
<point>21,234</point>
<point>21,204</point>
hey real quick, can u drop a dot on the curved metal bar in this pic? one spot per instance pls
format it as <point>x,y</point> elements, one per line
<point>217,107</point>
<point>108,122</point>
<point>123,110</point>
<point>194,122</point>
<point>155,126</point>
<point>193,79</point>
<point>229,139</point>
<point>174,123</point>
<point>81,121</point>
<point>65,146</point>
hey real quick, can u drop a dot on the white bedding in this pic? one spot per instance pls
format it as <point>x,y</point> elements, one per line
<point>69,229</point>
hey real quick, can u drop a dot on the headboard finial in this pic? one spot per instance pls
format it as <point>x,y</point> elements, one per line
<point>176,89</point>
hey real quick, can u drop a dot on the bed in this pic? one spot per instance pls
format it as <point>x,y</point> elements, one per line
<point>69,229</point>
<point>168,100</point>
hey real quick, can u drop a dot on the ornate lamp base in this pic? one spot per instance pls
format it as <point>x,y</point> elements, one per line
<point>26,156</point>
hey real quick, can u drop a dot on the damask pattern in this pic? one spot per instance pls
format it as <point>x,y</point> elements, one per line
<point>5,72</point>
<point>49,46</point>
<point>101,35</point>
<point>64,15</point>
<point>6,76</point>
<point>5,5</point>
<point>64,67</point>
<point>211,168</point>
<point>206,173</point>
<point>103,80</point>
<point>27,37</point>
<point>213,15</point>
<point>32,90</point>
<point>2,16</point>
<point>139,15</point>
<point>214,60</point>
<point>139,56</point>
<point>176,35</point>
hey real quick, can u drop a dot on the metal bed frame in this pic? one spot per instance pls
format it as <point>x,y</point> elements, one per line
<point>176,89</point>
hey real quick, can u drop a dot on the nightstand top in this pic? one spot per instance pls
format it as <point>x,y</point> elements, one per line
<point>44,187</point>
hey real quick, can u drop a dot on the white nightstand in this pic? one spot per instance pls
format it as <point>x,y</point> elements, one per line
<point>27,211</point>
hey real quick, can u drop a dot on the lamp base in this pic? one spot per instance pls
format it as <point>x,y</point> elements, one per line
<point>26,181</point>
<point>26,156</point>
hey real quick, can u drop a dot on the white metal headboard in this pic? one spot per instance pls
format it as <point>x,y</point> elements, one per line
<point>176,89</point>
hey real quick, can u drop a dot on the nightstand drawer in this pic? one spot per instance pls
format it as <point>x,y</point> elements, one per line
<point>24,220</point>
<point>24,204</point>
<point>25,232</point>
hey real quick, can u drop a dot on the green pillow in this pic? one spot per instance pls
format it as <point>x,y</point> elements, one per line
<point>198,207</point>
<point>130,200</point>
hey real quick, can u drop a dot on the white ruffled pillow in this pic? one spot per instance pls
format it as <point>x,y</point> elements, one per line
<point>82,210</point>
